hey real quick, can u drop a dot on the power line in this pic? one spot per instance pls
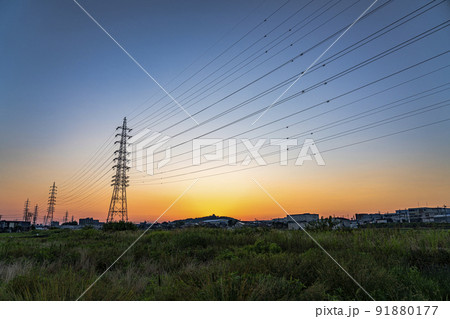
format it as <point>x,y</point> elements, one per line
<point>284,64</point>
<point>383,107</point>
<point>202,55</point>
<point>325,151</point>
<point>223,52</point>
<point>336,76</point>
<point>344,133</point>
<point>159,117</point>
<point>312,87</point>
<point>87,164</point>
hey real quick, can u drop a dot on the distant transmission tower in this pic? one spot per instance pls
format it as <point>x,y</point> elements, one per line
<point>35,215</point>
<point>66,217</point>
<point>118,209</point>
<point>26,211</point>
<point>51,204</point>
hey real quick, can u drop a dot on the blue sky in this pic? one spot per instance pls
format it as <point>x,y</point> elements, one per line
<point>65,86</point>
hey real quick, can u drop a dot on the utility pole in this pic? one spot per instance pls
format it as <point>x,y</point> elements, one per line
<point>26,211</point>
<point>51,204</point>
<point>35,215</point>
<point>118,209</point>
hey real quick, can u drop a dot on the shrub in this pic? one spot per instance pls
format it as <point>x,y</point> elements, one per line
<point>119,226</point>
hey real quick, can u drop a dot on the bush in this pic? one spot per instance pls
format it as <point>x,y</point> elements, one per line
<point>119,226</point>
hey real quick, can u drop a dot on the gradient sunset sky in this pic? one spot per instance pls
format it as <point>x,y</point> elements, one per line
<point>65,86</point>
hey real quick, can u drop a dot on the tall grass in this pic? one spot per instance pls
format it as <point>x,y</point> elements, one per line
<point>215,264</point>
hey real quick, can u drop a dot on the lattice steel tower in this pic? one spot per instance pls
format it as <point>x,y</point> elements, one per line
<point>51,204</point>
<point>35,215</point>
<point>118,210</point>
<point>26,211</point>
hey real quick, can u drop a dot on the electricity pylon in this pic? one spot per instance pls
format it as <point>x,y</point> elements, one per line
<point>26,211</point>
<point>66,217</point>
<point>118,209</point>
<point>51,204</point>
<point>35,214</point>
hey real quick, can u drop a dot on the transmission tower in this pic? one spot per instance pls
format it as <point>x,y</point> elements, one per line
<point>66,217</point>
<point>26,211</point>
<point>35,215</point>
<point>118,209</point>
<point>51,204</point>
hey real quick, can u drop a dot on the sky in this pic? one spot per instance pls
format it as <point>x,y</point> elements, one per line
<point>374,100</point>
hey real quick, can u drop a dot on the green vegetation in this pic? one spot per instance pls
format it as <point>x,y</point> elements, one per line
<point>217,264</point>
<point>119,226</point>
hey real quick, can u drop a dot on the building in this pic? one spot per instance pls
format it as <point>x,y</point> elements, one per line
<point>303,220</point>
<point>340,222</point>
<point>407,215</point>
<point>238,225</point>
<point>89,222</point>
<point>422,214</point>
<point>280,220</point>
<point>215,222</point>
<point>395,218</point>
<point>14,226</point>
<point>442,218</point>
<point>367,218</point>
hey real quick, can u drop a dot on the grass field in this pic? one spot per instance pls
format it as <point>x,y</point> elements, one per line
<point>215,264</point>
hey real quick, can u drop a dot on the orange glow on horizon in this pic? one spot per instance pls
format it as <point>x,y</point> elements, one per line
<point>327,191</point>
